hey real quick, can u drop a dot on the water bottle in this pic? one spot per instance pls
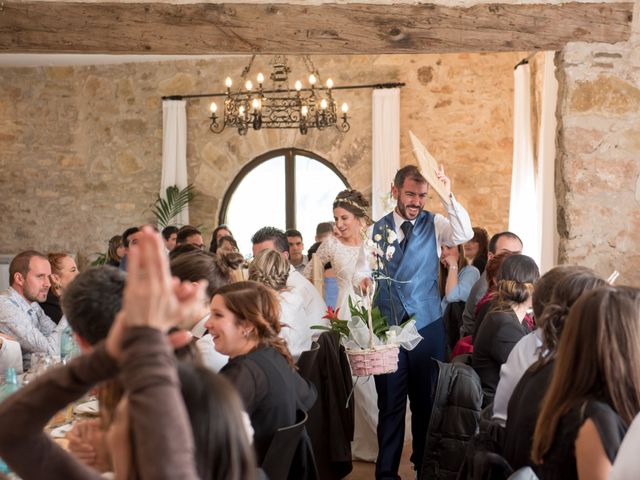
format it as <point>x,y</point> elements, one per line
<point>10,384</point>
<point>68,347</point>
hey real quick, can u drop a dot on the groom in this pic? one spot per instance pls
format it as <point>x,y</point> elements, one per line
<point>413,292</point>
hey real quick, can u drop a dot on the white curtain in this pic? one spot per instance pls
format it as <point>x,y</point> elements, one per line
<point>548,231</point>
<point>523,212</point>
<point>385,155</point>
<point>174,151</point>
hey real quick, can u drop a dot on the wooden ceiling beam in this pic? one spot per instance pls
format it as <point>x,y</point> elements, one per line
<point>204,28</point>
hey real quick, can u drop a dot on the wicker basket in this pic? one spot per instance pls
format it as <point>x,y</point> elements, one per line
<point>377,361</point>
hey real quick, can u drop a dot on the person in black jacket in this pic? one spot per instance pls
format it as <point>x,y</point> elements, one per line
<point>503,327</point>
<point>244,325</point>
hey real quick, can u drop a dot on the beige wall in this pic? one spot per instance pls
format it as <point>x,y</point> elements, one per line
<point>80,147</point>
<point>599,158</point>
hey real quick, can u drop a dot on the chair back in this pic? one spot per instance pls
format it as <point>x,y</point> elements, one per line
<point>307,360</point>
<point>279,457</point>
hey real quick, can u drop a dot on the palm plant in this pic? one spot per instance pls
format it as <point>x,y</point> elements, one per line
<point>176,199</point>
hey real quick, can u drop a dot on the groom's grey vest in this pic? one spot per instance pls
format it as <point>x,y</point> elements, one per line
<point>414,291</point>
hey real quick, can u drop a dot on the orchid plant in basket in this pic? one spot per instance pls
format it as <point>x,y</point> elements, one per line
<point>371,343</point>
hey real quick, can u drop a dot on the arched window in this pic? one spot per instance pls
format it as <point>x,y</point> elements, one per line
<point>287,188</point>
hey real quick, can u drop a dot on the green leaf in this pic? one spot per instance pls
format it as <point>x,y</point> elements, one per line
<point>166,209</point>
<point>100,260</point>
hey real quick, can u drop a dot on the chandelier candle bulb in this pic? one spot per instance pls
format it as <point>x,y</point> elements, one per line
<point>241,110</point>
<point>323,104</point>
<point>248,85</point>
<point>298,85</point>
<point>256,104</point>
<point>213,107</point>
<point>345,108</point>
<point>312,79</point>
<point>304,110</point>
<point>260,78</point>
<point>329,84</point>
<point>228,82</point>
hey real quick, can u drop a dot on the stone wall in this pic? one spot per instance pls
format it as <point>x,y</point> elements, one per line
<point>80,147</point>
<point>598,170</point>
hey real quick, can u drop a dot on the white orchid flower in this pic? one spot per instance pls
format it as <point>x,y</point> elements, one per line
<point>377,237</point>
<point>391,236</point>
<point>389,253</point>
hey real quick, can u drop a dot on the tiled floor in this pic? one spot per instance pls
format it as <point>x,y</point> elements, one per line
<point>366,471</point>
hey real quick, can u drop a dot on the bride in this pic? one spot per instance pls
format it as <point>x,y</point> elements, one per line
<point>344,252</point>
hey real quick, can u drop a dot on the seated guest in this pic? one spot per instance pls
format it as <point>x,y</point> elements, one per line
<point>500,243</point>
<point>217,271</point>
<point>116,251</point>
<point>594,392</point>
<point>275,239</point>
<point>136,349</point>
<point>219,232</point>
<point>297,258</point>
<point>185,249</point>
<point>190,235</point>
<point>486,303</point>
<point>502,327</point>
<point>456,276</point>
<point>245,324</point>
<point>476,250</point>
<point>524,403</point>
<point>63,271</point>
<point>21,318</point>
<point>227,244</point>
<point>170,237</point>
<point>272,269</point>
<point>527,351</point>
<point>130,239</point>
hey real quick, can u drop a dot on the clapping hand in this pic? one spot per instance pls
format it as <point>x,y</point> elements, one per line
<point>152,298</point>
<point>446,181</point>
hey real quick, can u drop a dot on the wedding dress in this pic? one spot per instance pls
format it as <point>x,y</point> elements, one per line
<point>344,260</point>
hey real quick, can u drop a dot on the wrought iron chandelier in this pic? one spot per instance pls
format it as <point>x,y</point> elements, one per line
<point>280,107</point>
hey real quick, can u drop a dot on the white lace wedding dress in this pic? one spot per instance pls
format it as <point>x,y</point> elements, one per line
<point>344,260</point>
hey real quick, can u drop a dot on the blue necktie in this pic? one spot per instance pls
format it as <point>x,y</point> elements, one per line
<point>407,229</point>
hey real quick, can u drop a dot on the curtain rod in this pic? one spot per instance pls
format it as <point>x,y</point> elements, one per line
<point>354,87</point>
<point>525,61</point>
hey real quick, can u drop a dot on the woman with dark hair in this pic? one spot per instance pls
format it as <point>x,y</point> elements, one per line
<point>223,449</point>
<point>115,251</point>
<point>594,392</point>
<point>502,327</point>
<point>456,277</point>
<point>557,289</point>
<point>523,405</point>
<point>63,271</point>
<point>476,250</point>
<point>245,326</point>
<point>345,253</point>
<point>219,232</point>
<point>227,244</point>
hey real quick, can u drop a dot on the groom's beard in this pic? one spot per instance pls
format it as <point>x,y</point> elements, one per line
<point>402,210</point>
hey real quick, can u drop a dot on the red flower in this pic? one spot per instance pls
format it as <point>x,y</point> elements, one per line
<point>332,315</point>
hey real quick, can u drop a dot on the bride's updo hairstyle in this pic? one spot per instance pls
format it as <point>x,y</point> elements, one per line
<point>354,202</point>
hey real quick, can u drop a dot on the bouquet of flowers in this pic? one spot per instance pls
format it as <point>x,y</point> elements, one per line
<point>372,345</point>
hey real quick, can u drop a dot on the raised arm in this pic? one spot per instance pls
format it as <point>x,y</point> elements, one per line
<point>25,447</point>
